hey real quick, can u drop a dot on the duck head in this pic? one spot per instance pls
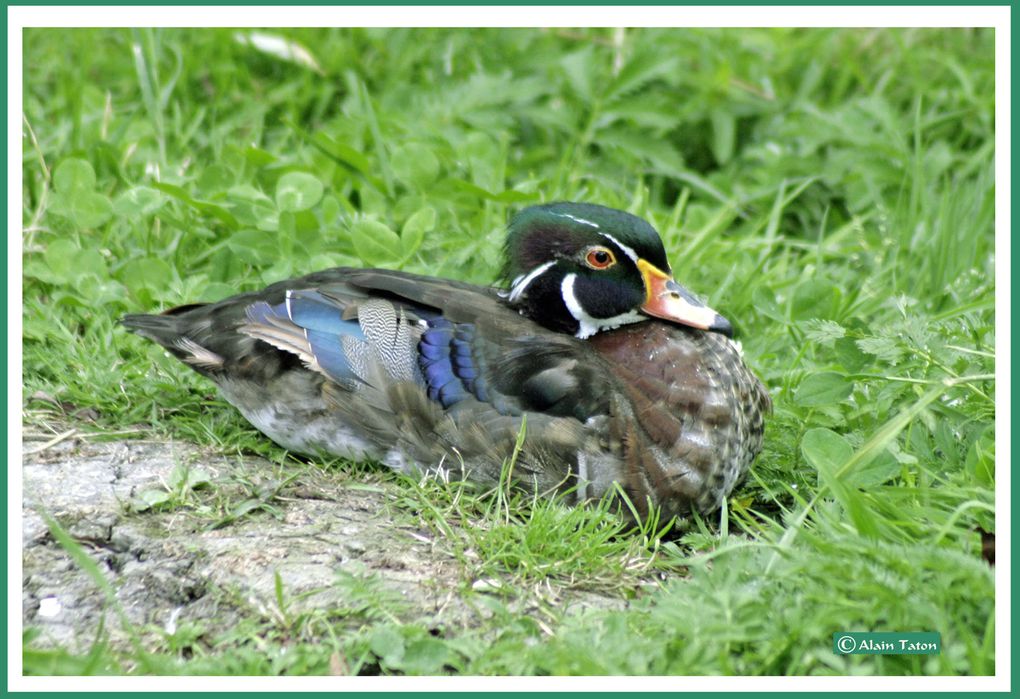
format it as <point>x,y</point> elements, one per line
<point>582,268</point>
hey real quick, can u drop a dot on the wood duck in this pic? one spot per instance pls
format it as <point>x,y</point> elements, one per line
<point>621,374</point>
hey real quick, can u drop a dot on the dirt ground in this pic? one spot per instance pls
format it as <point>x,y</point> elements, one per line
<point>169,567</point>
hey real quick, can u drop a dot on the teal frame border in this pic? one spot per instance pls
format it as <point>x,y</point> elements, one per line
<point>528,3</point>
<point>1014,257</point>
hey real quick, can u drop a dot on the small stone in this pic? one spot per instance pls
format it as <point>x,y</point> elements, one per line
<point>486,585</point>
<point>49,607</point>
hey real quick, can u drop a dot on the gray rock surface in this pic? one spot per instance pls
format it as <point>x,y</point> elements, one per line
<point>320,530</point>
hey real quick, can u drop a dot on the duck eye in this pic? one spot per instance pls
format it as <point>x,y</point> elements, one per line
<point>600,258</point>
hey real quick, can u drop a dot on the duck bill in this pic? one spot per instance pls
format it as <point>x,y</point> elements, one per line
<point>668,300</point>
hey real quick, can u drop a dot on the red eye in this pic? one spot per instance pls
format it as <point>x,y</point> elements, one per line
<point>600,258</point>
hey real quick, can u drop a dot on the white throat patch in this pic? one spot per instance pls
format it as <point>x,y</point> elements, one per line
<point>587,325</point>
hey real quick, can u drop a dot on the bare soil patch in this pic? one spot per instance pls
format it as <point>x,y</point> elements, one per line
<point>169,566</point>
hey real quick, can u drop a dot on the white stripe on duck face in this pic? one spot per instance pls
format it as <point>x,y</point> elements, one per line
<point>520,283</point>
<point>627,250</point>
<point>584,221</point>
<point>586,324</point>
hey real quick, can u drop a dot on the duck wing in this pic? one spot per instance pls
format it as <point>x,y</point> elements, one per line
<point>405,367</point>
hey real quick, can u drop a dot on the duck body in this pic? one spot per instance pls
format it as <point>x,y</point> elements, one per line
<point>426,374</point>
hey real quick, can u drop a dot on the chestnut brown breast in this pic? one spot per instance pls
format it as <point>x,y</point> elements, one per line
<point>698,414</point>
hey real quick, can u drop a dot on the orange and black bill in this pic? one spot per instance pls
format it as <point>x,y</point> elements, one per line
<point>668,300</point>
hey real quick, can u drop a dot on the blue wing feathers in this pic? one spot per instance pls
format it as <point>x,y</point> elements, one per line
<point>311,310</point>
<point>433,353</point>
<point>452,392</point>
<point>451,368</point>
<point>321,323</point>
<point>328,352</point>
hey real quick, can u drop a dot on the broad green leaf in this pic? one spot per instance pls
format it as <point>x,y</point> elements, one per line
<point>89,261</point>
<point>214,291</point>
<point>480,146</point>
<point>74,175</point>
<point>388,644</point>
<point>508,196</point>
<point>579,67</point>
<point>233,157</point>
<point>823,453</point>
<point>60,256</point>
<point>69,299</point>
<point>138,201</point>
<point>301,230</point>
<point>147,272</point>
<point>980,460</point>
<point>425,656</point>
<point>298,191</point>
<point>253,207</point>
<point>415,163</point>
<point>38,269</point>
<point>631,142</point>
<point>824,388</point>
<point>91,209</point>
<point>259,157</point>
<point>208,208</point>
<point>372,200</point>
<point>265,219</point>
<point>83,208</point>
<point>288,227</point>
<point>882,468</point>
<point>306,223</point>
<point>248,193</point>
<point>829,452</point>
<point>216,211</point>
<point>282,269</point>
<point>100,291</point>
<point>330,210</point>
<point>639,71</point>
<point>326,260</point>
<point>215,178</point>
<point>188,477</point>
<point>879,441</point>
<point>825,449</point>
<point>415,228</point>
<point>764,301</point>
<point>344,155</point>
<point>815,298</point>
<point>375,242</point>
<point>654,111</point>
<point>482,153</point>
<point>151,498</point>
<point>254,247</point>
<point>850,355</point>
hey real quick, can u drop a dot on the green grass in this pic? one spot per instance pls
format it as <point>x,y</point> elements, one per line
<point>830,191</point>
